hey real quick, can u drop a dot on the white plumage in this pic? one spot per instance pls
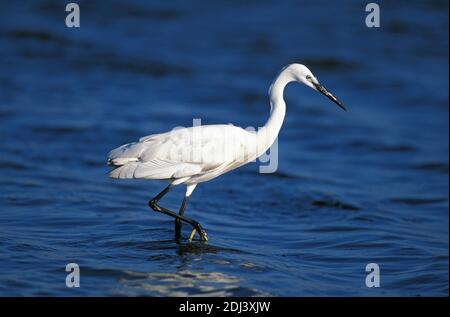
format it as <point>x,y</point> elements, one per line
<point>188,155</point>
<point>198,154</point>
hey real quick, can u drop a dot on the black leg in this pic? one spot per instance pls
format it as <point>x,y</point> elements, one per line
<point>162,194</point>
<point>197,227</point>
<point>178,221</point>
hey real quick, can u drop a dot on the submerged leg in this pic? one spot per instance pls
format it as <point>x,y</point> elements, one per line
<point>177,220</point>
<point>189,190</point>
<point>197,227</point>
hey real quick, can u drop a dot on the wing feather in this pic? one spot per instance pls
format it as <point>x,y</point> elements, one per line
<point>182,153</point>
<point>156,169</point>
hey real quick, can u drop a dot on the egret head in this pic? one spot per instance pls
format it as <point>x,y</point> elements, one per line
<point>302,74</point>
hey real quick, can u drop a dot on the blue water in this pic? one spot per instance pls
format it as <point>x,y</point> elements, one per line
<point>370,185</point>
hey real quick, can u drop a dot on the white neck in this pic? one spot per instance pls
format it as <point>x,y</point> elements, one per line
<point>267,135</point>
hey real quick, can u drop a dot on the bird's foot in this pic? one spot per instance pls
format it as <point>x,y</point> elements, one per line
<point>201,232</point>
<point>191,236</point>
<point>154,205</point>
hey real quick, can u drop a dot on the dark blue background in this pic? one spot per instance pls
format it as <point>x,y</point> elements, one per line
<point>370,185</point>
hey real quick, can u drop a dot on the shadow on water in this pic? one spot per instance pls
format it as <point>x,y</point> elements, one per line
<point>196,248</point>
<point>185,283</point>
<point>192,275</point>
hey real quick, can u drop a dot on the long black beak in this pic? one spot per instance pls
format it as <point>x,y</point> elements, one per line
<point>329,95</point>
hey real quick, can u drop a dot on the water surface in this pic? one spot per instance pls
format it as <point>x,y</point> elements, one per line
<point>370,185</point>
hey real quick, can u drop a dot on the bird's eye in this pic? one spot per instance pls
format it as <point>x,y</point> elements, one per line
<point>308,77</point>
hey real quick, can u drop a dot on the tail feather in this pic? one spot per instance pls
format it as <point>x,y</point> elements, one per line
<point>124,171</point>
<point>119,161</point>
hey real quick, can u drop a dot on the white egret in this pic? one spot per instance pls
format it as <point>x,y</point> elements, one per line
<point>197,154</point>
